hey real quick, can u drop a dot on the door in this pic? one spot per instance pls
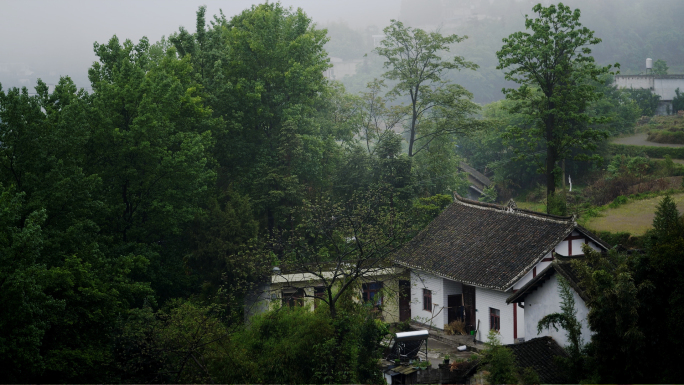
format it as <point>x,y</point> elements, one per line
<point>455,304</point>
<point>469,303</point>
<point>404,300</point>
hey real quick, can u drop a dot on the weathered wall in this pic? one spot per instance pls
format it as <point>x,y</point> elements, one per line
<point>546,300</point>
<point>663,85</point>
<point>485,299</point>
<point>419,281</point>
<point>562,247</point>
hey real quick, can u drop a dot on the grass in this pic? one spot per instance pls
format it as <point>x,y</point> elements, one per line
<point>532,206</point>
<point>635,216</point>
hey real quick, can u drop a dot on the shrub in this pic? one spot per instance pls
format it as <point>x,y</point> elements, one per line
<point>528,376</point>
<point>618,201</point>
<point>556,205</point>
<point>499,361</point>
<point>666,137</point>
<point>489,195</point>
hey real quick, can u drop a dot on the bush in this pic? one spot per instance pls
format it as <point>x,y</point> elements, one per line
<point>620,200</point>
<point>302,346</point>
<point>556,205</point>
<point>489,195</point>
<point>499,361</point>
<point>666,137</point>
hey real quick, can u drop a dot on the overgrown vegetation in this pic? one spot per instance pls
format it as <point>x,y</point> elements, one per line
<point>627,293</point>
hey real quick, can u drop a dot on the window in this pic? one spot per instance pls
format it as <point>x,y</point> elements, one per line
<point>372,293</point>
<point>494,319</point>
<point>293,297</point>
<point>427,300</point>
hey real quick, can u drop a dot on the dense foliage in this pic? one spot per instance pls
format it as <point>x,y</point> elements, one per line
<point>628,294</point>
<point>135,219</point>
<point>554,67</point>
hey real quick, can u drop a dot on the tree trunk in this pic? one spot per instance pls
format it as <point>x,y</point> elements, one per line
<point>551,158</point>
<point>414,118</point>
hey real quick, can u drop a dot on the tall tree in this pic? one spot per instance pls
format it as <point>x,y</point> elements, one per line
<point>150,145</point>
<point>414,61</point>
<point>660,67</point>
<point>554,67</point>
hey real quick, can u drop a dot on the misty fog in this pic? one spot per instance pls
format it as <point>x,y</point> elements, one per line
<point>49,39</point>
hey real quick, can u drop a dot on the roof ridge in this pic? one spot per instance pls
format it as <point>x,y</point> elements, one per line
<point>513,209</point>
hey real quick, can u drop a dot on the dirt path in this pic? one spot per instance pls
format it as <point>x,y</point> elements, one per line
<point>640,140</point>
<point>634,217</point>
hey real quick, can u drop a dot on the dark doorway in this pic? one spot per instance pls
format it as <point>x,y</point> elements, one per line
<point>469,304</point>
<point>456,309</point>
<point>404,300</point>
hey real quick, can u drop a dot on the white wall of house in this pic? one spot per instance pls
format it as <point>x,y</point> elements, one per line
<point>562,247</point>
<point>546,300</point>
<point>436,316</point>
<point>486,299</point>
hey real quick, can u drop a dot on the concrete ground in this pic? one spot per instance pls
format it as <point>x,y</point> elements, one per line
<point>438,349</point>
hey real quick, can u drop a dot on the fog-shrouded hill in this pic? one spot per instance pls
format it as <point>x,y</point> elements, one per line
<point>631,30</point>
<point>47,39</point>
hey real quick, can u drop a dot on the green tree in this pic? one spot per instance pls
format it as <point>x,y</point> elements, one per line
<point>175,344</point>
<point>678,101</point>
<point>499,361</point>
<point>302,346</point>
<point>339,245</point>
<point>554,67</point>
<point>646,100</point>
<point>414,62</point>
<point>150,144</point>
<point>660,67</point>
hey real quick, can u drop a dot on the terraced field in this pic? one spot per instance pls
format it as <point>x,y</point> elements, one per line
<point>634,217</point>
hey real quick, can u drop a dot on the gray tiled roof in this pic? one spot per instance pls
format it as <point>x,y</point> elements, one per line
<point>484,244</point>
<point>539,354</point>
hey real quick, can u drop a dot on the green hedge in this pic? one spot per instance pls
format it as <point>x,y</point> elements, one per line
<point>652,152</point>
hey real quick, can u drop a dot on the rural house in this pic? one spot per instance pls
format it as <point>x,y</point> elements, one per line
<point>470,259</point>
<point>541,296</point>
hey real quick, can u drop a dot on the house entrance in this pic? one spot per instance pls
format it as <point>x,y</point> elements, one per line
<point>456,309</point>
<point>404,300</point>
<point>469,305</point>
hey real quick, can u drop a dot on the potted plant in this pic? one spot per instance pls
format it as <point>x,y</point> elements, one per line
<point>446,359</point>
<point>397,362</point>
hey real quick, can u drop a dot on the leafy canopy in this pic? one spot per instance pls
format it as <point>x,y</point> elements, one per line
<point>555,70</point>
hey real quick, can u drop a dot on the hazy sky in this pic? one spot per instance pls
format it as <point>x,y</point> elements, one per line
<point>56,37</point>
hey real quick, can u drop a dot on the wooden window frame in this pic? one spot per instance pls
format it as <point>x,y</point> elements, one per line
<point>494,319</point>
<point>427,300</point>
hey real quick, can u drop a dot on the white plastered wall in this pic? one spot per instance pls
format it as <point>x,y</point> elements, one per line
<point>419,281</point>
<point>562,247</point>
<point>546,300</point>
<point>487,298</point>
